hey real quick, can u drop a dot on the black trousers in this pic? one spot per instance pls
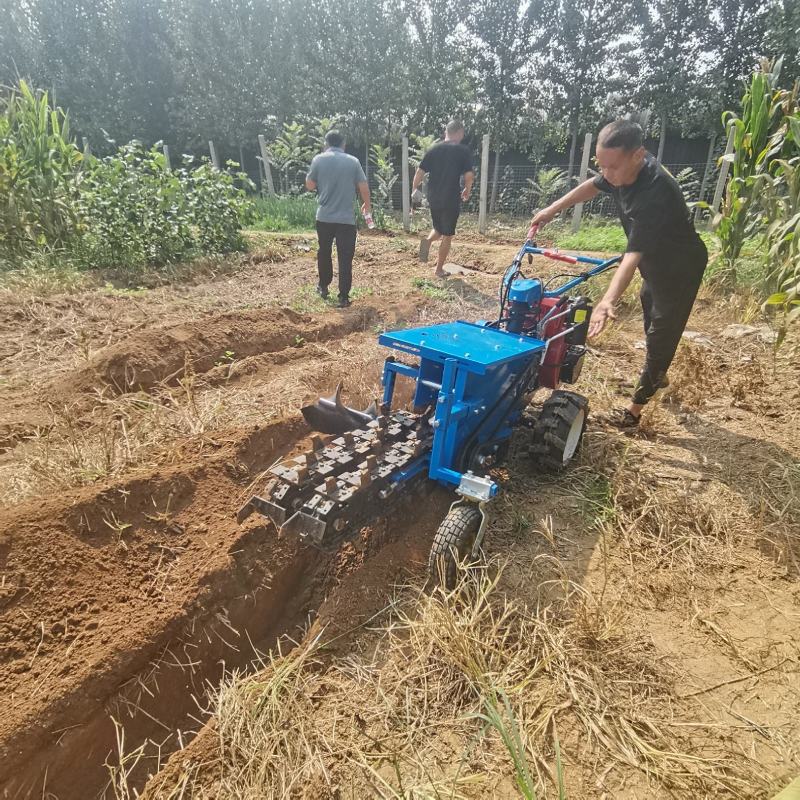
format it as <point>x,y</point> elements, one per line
<point>345,237</point>
<point>665,318</point>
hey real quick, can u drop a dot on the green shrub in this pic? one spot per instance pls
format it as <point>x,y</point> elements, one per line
<point>137,213</point>
<point>217,207</point>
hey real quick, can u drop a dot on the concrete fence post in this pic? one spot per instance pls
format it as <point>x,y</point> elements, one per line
<point>165,148</point>
<point>482,220</point>
<point>723,174</point>
<point>265,162</point>
<point>578,212</point>
<point>214,156</point>
<point>406,187</point>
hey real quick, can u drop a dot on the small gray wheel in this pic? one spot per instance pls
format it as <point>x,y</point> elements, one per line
<point>452,544</point>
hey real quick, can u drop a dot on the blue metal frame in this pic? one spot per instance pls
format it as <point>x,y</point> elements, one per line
<point>466,368</point>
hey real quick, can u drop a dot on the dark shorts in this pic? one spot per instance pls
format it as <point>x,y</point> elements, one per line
<point>444,220</point>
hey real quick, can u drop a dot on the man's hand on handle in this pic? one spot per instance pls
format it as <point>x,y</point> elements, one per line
<point>543,217</point>
<point>582,193</point>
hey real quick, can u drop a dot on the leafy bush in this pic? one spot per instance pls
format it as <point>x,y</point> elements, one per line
<point>217,207</point>
<point>133,211</point>
<point>136,212</point>
<point>39,176</point>
<point>385,178</point>
<point>290,154</point>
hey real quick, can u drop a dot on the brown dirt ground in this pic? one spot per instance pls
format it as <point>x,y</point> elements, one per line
<point>133,423</point>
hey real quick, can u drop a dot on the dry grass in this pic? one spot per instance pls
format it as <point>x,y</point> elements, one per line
<point>144,429</point>
<point>464,695</point>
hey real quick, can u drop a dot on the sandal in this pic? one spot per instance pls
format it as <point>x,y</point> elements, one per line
<point>424,250</point>
<point>623,419</point>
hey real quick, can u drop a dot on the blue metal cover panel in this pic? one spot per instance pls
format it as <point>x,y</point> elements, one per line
<point>477,348</point>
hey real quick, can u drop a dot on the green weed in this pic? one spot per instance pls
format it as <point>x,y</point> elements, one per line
<point>290,213</point>
<point>433,290</point>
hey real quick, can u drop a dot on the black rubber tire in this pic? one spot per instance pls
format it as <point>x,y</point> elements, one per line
<point>452,544</point>
<point>559,413</point>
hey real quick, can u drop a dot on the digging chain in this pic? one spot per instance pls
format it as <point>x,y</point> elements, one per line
<point>325,494</point>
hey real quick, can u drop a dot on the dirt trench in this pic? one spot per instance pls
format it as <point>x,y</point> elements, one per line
<point>163,355</point>
<point>141,691</point>
<point>122,603</point>
<point>104,589</point>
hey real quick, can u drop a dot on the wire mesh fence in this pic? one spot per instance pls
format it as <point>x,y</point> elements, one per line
<point>514,190</point>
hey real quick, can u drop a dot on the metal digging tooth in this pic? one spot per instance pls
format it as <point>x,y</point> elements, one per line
<point>330,415</point>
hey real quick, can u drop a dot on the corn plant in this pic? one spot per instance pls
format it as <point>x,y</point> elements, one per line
<point>39,176</point>
<point>290,155</point>
<point>385,177</point>
<point>783,231</point>
<point>760,117</point>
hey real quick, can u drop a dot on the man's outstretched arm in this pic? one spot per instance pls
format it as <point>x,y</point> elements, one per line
<point>580,194</point>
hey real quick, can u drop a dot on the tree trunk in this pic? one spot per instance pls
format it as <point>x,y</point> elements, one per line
<point>662,139</point>
<point>493,201</point>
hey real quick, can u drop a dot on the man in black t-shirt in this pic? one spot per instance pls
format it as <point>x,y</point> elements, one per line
<point>444,164</point>
<point>662,243</point>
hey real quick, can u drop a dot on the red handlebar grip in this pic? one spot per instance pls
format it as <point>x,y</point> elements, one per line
<point>532,232</point>
<point>556,256</point>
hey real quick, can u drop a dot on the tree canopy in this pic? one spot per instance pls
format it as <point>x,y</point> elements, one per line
<point>185,71</point>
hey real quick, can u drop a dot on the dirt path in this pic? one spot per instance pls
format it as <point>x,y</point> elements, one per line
<point>134,424</point>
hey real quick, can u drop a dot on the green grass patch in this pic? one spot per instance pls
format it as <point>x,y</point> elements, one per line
<point>592,236</point>
<point>291,213</point>
<point>433,290</point>
<point>595,495</point>
<point>307,301</point>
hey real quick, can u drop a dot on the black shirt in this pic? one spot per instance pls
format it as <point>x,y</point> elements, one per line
<point>658,224</point>
<point>445,163</point>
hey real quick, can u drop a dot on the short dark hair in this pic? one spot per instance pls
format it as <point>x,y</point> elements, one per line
<point>334,139</point>
<point>454,126</point>
<point>622,133</point>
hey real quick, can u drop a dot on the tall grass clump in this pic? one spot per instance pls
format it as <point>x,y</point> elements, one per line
<point>289,213</point>
<point>39,175</point>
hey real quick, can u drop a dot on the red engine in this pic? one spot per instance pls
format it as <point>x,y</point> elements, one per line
<point>563,358</point>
